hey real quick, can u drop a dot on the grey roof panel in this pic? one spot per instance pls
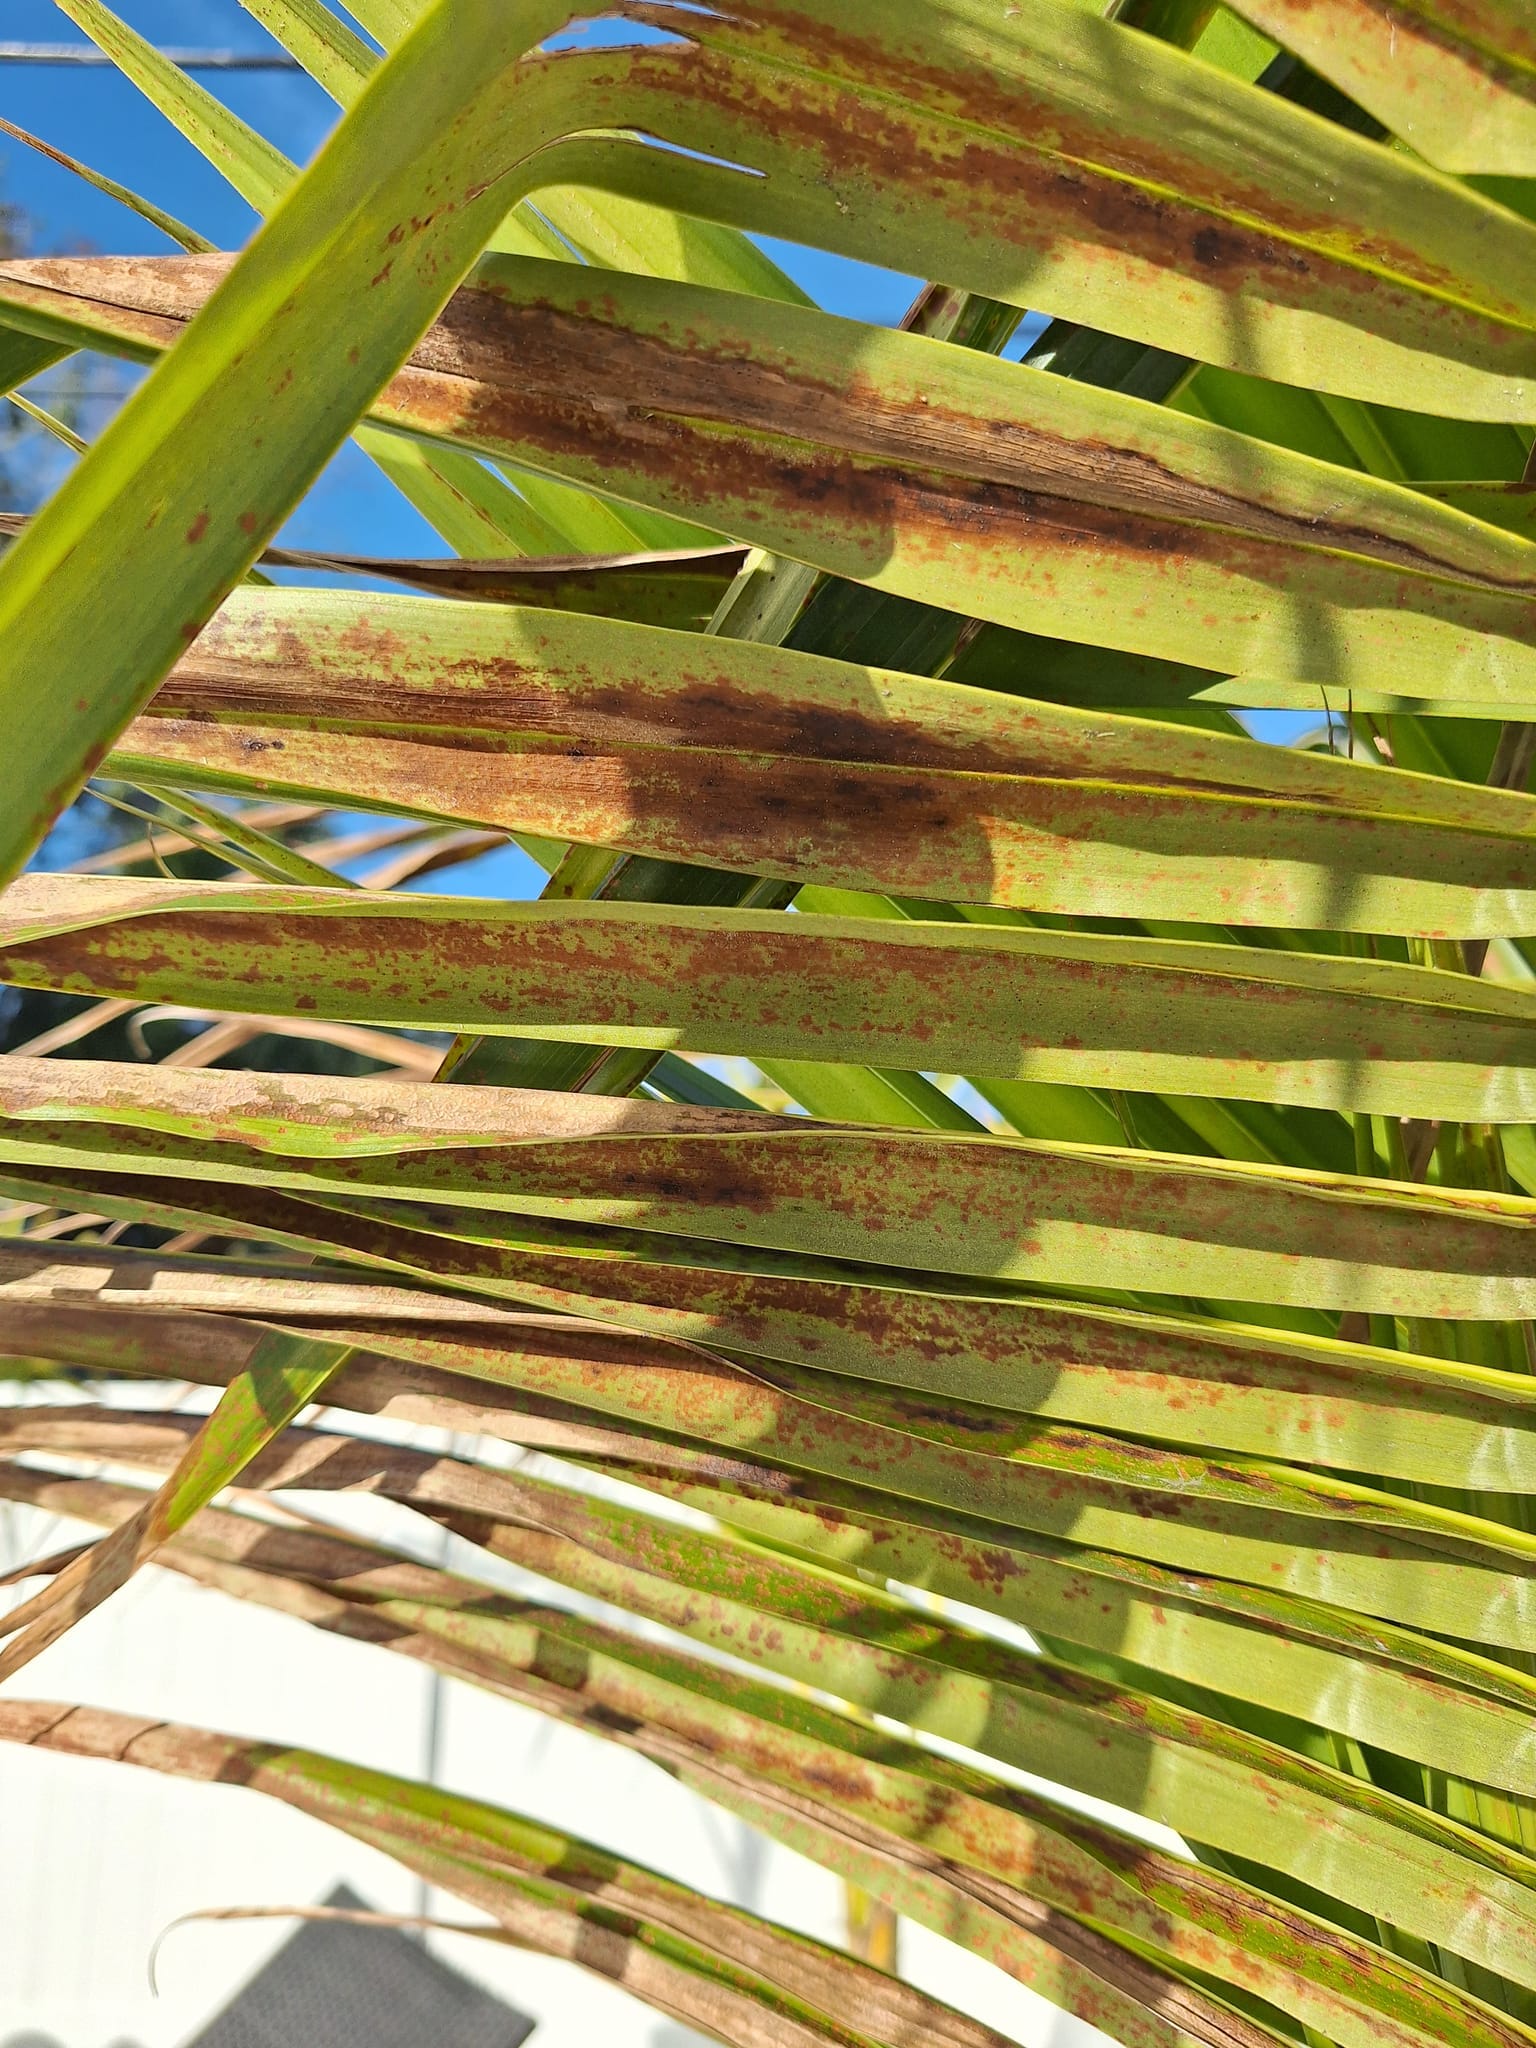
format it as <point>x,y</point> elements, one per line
<point>336,1984</point>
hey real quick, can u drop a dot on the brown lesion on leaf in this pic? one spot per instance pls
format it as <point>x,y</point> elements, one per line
<point>585,387</point>
<point>1014,152</point>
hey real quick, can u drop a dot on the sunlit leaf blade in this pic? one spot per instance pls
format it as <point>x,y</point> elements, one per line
<point>1203,545</point>
<point>1510,505</point>
<point>1379,1683</point>
<point>167,223</point>
<point>1045,137</point>
<point>1124,1370</point>
<point>1088,166</point>
<point>332,53</point>
<point>267,353</point>
<point>1278,1650</point>
<point>1315,1401</point>
<point>244,843</point>
<point>866,1649</point>
<point>957,1813</point>
<point>1074,1966</point>
<point>1458,83</point>
<point>810,1437</point>
<point>282,1376</point>
<point>978,999</point>
<point>256,169</point>
<point>472,508</point>
<point>600,228</point>
<point>783,764</point>
<point>941,1203</point>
